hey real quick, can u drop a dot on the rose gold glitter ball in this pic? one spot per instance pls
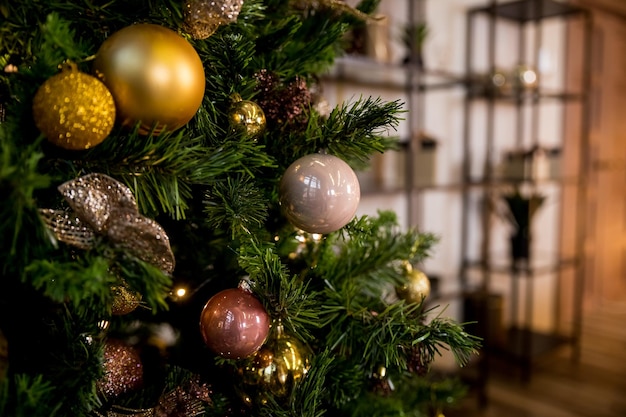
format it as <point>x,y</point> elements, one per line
<point>123,369</point>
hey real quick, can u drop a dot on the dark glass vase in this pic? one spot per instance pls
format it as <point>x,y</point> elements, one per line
<point>520,245</point>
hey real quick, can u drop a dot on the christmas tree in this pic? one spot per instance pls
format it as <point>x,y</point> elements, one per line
<point>178,232</point>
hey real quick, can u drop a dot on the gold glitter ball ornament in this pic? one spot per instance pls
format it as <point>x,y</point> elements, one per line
<point>416,288</point>
<point>125,301</point>
<point>74,110</point>
<point>155,76</point>
<point>247,116</point>
<point>123,369</point>
<point>203,17</point>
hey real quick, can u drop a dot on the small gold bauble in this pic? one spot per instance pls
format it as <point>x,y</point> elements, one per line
<point>74,110</point>
<point>248,117</point>
<point>416,288</point>
<point>155,75</point>
<point>125,300</point>
<point>280,364</point>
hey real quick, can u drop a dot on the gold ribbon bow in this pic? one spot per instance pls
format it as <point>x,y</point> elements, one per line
<point>104,206</point>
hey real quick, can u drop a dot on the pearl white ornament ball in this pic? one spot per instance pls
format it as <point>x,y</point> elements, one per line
<point>319,193</point>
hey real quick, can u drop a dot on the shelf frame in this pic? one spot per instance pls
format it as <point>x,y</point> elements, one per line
<point>522,14</point>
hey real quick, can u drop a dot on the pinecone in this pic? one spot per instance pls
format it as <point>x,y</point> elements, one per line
<point>418,360</point>
<point>283,103</point>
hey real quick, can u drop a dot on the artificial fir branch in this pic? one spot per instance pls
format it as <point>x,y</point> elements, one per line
<point>290,299</point>
<point>411,395</point>
<point>70,281</point>
<point>57,44</point>
<point>443,333</point>
<point>374,245</point>
<point>30,392</point>
<point>236,205</point>
<point>227,63</point>
<point>161,171</point>
<point>19,180</point>
<point>353,130</point>
<point>215,193</point>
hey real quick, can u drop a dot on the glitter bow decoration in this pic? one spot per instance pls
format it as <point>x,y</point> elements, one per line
<point>203,17</point>
<point>103,206</point>
<point>338,6</point>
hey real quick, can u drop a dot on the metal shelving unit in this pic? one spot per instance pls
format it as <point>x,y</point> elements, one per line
<point>518,340</point>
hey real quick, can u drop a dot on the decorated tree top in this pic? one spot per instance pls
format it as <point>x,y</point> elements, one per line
<point>178,233</point>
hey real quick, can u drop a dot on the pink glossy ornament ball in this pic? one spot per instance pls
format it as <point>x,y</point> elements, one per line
<point>234,323</point>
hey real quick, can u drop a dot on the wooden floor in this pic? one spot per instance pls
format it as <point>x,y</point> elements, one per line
<point>558,387</point>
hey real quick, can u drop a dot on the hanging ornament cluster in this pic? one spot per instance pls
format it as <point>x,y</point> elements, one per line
<point>246,116</point>
<point>319,193</point>
<point>187,400</point>
<point>74,110</point>
<point>123,369</point>
<point>416,288</point>
<point>104,206</point>
<point>155,76</point>
<point>283,103</point>
<point>276,368</point>
<point>234,323</point>
<point>203,17</point>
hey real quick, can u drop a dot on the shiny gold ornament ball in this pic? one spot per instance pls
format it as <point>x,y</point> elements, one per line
<point>155,76</point>
<point>416,288</point>
<point>280,364</point>
<point>248,117</point>
<point>123,369</point>
<point>74,110</point>
<point>125,301</point>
